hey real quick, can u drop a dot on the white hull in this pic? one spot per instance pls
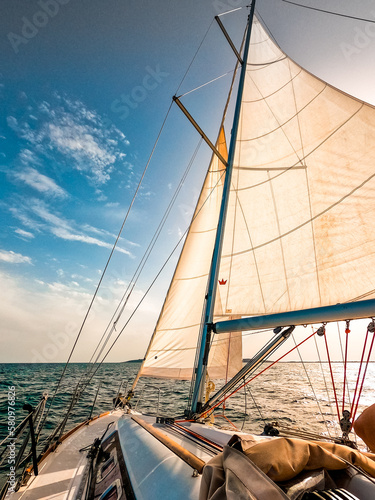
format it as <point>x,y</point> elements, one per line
<point>151,468</point>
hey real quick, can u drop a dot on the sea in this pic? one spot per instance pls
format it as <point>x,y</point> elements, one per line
<point>291,394</point>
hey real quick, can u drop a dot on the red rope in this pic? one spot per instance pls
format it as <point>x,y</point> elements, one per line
<point>228,357</point>
<point>255,376</point>
<point>359,374</point>
<point>333,382</point>
<point>364,376</point>
<point>226,418</point>
<point>347,331</point>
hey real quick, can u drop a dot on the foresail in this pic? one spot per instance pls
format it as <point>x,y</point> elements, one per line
<point>172,350</point>
<point>300,228</point>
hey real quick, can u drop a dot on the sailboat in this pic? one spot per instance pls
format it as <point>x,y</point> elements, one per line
<point>282,237</point>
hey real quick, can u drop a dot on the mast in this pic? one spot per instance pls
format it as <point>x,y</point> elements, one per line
<point>196,403</point>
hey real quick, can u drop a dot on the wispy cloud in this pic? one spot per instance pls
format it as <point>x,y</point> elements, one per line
<point>24,234</point>
<point>40,182</point>
<point>78,135</point>
<point>14,258</point>
<point>37,214</point>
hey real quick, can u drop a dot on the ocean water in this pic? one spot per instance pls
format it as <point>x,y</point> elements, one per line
<point>286,393</point>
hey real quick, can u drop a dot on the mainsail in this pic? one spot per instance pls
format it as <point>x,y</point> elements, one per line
<point>300,228</point>
<point>300,225</point>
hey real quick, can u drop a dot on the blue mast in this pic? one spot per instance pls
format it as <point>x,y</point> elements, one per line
<point>213,277</point>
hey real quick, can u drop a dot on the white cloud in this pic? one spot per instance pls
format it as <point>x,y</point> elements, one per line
<point>24,234</point>
<point>26,157</point>
<point>20,214</point>
<point>40,182</point>
<point>79,142</point>
<point>79,135</point>
<point>66,234</point>
<point>40,322</point>
<point>60,227</point>
<point>14,258</point>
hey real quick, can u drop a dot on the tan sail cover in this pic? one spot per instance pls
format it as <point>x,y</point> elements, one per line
<point>173,346</point>
<point>300,229</point>
<point>231,475</point>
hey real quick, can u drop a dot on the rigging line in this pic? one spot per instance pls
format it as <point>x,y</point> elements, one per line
<point>332,378</point>
<point>347,331</point>
<point>255,376</point>
<point>364,376</point>
<point>359,372</point>
<point>207,83</point>
<point>146,255</point>
<point>342,357</point>
<point>359,297</point>
<point>329,12</point>
<point>108,261</point>
<point>155,279</point>
<point>268,30</point>
<point>135,277</point>
<point>195,55</point>
<point>312,387</point>
<point>255,403</point>
<point>245,412</point>
<point>323,374</point>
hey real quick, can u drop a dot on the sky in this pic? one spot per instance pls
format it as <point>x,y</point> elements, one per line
<point>85,86</point>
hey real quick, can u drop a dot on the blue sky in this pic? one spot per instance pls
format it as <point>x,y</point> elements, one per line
<point>84,88</point>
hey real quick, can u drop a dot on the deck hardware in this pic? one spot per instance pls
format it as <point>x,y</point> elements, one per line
<point>30,409</point>
<point>321,331</point>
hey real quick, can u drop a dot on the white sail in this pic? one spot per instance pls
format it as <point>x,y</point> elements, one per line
<point>303,177</point>
<point>172,349</point>
<point>300,230</point>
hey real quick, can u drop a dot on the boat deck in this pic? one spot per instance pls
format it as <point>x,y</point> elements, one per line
<point>61,473</point>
